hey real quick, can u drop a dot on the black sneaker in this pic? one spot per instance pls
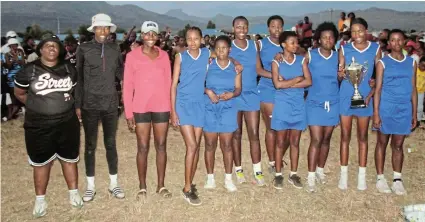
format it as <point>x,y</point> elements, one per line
<point>295,180</point>
<point>278,182</point>
<point>193,189</point>
<point>191,198</point>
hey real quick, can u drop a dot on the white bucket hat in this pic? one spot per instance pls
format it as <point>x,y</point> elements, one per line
<point>12,41</point>
<point>102,20</point>
<point>11,34</point>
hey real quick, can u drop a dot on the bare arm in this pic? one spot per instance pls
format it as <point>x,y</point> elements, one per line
<point>259,67</point>
<point>238,85</point>
<point>373,86</point>
<point>176,76</point>
<point>341,64</point>
<point>414,97</point>
<point>282,84</point>
<point>378,88</point>
<point>21,94</point>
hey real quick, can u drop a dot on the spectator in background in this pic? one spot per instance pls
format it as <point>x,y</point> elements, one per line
<point>258,37</point>
<point>71,45</point>
<point>347,22</point>
<point>299,29</point>
<point>341,22</point>
<point>14,61</point>
<point>29,45</point>
<point>307,29</point>
<point>206,43</point>
<point>112,38</point>
<point>10,35</point>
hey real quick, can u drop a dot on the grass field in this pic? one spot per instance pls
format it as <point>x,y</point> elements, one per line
<point>249,203</point>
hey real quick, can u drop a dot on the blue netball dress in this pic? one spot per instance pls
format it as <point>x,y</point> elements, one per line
<point>395,107</point>
<point>249,100</point>
<point>190,106</point>
<point>289,107</point>
<point>365,57</point>
<point>220,117</point>
<point>322,103</point>
<point>268,51</point>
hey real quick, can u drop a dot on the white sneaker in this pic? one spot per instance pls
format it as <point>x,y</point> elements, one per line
<point>321,178</point>
<point>228,184</point>
<point>361,183</point>
<point>398,188</point>
<point>75,200</point>
<point>343,180</point>
<point>311,184</point>
<point>240,176</point>
<point>210,184</point>
<point>382,186</point>
<point>40,208</point>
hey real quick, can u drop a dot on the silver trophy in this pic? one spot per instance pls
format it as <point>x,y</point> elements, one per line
<point>355,73</point>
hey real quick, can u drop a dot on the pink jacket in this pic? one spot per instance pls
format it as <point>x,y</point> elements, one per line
<point>147,83</point>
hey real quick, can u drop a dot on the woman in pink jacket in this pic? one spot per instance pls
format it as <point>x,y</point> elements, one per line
<point>146,95</point>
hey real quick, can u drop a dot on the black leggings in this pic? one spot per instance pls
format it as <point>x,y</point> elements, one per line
<point>154,117</point>
<point>109,121</point>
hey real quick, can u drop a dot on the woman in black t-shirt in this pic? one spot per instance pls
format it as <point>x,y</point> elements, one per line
<point>51,126</point>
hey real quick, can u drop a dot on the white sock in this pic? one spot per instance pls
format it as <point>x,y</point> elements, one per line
<point>113,180</point>
<point>292,173</point>
<point>90,183</point>
<point>210,177</point>
<point>272,163</point>
<point>73,191</point>
<point>344,169</point>
<point>320,170</point>
<point>278,174</point>
<point>397,175</point>
<point>228,177</point>
<point>256,167</point>
<point>311,174</point>
<point>238,168</point>
<point>380,177</point>
<point>40,197</point>
<point>362,170</point>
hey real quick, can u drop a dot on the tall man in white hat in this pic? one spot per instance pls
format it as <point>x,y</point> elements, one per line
<point>98,64</point>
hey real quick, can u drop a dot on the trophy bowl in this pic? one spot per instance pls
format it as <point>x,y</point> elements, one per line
<point>354,74</point>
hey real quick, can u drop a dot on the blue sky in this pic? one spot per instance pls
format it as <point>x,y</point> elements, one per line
<point>209,9</point>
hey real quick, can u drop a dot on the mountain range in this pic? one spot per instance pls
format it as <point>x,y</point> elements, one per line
<point>18,15</point>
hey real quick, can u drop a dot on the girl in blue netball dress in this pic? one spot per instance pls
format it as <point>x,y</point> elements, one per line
<point>248,103</point>
<point>223,85</point>
<point>289,115</point>
<point>322,103</point>
<point>268,48</point>
<point>187,103</point>
<point>395,108</point>
<point>367,54</point>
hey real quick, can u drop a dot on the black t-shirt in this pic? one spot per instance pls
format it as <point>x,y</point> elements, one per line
<point>49,88</point>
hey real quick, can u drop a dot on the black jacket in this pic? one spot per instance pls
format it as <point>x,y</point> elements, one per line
<point>96,75</point>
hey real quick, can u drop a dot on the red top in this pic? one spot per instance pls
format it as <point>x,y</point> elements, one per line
<point>147,83</point>
<point>307,30</point>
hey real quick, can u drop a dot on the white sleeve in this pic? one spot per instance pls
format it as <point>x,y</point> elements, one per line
<point>181,57</point>
<point>276,62</point>
<point>261,44</point>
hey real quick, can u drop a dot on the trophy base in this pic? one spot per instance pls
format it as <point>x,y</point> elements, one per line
<point>358,104</point>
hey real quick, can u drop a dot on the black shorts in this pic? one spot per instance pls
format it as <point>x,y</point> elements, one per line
<point>159,117</point>
<point>50,138</point>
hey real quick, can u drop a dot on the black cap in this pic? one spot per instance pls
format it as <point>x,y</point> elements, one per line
<point>50,38</point>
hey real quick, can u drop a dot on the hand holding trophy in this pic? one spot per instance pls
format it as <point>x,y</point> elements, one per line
<point>355,73</point>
